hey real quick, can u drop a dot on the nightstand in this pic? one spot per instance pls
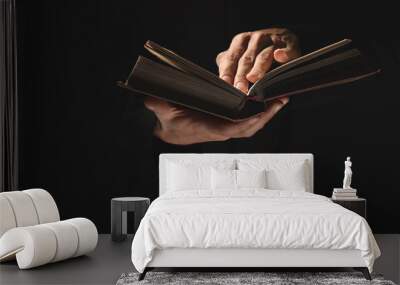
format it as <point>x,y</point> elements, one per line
<point>357,205</point>
<point>119,208</point>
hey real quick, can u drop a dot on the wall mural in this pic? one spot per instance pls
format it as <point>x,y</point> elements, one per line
<point>82,135</point>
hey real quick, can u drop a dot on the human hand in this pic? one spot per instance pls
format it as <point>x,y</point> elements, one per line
<point>182,126</point>
<point>248,58</point>
<point>251,54</point>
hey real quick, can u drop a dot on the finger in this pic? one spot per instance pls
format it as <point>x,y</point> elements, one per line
<point>257,42</point>
<point>226,65</point>
<point>266,116</point>
<point>227,61</point>
<point>272,109</point>
<point>262,64</point>
<point>219,57</point>
<point>290,51</point>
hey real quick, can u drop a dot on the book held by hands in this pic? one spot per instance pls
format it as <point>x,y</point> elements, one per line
<point>187,84</point>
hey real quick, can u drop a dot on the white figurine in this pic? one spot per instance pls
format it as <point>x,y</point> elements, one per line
<point>347,174</point>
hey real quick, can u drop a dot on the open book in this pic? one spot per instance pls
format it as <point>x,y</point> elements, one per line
<point>185,83</point>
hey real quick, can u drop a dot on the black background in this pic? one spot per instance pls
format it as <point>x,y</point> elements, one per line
<point>86,141</point>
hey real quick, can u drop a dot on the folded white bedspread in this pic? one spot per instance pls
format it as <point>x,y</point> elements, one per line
<point>250,219</point>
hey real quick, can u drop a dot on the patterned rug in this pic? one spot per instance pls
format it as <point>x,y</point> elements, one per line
<point>244,278</point>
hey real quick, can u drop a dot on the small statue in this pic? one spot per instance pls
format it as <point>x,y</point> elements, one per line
<point>347,174</point>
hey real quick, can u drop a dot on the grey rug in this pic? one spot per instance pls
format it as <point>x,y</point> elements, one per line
<point>232,278</point>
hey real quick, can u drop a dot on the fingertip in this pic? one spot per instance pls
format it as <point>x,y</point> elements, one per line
<point>242,86</point>
<point>253,77</point>
<point>281,102</point>
<point>281,56</point>
<point>284,100</point>
<point>276,105</point>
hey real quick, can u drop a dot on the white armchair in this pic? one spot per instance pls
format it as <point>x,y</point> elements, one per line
<point>31,230</point>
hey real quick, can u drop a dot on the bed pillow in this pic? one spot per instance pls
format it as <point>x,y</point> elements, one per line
<point>223,179</point>
<point>251,179</point>
<point>181,178</point>
<point>291,175</point>
<point>193,175</point>
<point>227,179</point>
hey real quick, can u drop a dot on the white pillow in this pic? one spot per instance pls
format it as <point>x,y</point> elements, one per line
<point>223,179</point>
<point>292,175</point>
<point>236,179</point>
<point>251,179</point>
<point>181,178</point>
<point>186,174</point>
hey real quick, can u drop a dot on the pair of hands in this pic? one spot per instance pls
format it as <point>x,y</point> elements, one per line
<point>249,56</point>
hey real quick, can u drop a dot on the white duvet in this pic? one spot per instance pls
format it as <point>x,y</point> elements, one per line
<point>250,219</point>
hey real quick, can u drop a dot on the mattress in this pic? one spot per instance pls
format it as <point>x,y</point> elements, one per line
<point>251,219</point>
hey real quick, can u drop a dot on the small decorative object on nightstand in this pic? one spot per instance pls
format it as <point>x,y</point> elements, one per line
<point>357,205</point>
<point>119,208</point>
<point>347,196</point>
<point>348,173</point>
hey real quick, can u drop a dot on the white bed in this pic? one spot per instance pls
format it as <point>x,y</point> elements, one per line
<point>282,224</point>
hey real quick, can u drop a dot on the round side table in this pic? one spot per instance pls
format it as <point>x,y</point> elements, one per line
<point>119,208</point>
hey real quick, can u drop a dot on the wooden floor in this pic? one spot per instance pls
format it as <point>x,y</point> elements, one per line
<point>110,260</point>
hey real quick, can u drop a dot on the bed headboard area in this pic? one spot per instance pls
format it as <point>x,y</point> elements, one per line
<point>287,171</point>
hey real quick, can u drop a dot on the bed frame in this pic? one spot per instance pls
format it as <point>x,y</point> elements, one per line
<point>247,258</point>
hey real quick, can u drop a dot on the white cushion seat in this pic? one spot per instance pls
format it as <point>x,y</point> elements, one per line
<point>31,230</point>
<point>46,243</point>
